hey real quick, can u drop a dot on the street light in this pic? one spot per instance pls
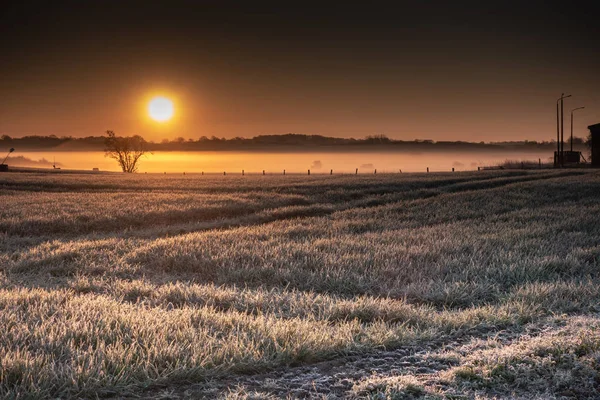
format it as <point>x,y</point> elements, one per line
<point>575,109</point>
<point>560,131</point>
<point>10,151</point>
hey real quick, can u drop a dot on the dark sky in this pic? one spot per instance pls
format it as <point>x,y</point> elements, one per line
<point>474,71</point>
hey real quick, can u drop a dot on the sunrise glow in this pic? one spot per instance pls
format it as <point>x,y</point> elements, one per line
<point>161,109</point>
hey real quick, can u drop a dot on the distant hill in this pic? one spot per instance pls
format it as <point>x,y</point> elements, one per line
<point>290,142</point>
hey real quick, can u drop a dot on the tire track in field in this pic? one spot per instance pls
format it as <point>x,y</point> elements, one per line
<point>269,215</point>
<point>185,222</point>
<point>375,198</point>
<point>337,377</point>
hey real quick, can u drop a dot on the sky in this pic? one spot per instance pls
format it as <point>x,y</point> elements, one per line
<point>439,70</point>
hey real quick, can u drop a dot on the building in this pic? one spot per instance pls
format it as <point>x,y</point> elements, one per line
<point>595,134</point>
<point>568,158</point>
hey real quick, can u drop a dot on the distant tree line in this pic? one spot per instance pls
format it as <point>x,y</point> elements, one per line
<point>290,141</point>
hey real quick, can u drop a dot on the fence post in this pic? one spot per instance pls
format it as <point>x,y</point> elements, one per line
<point>478,168</point>
<point>309,171</point>
<point>452,169</point>
<point>356,171</point>
<point>284,171</point>
<point>224,173</point>
<point>427,169</point>
<point>540,162</point>
<point>375,173</point>
<point>263,171</point>
<point>331,172</point>
<point>242,172</point>
<point>202,172</point>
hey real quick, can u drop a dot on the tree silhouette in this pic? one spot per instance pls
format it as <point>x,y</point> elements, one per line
<point>126,150</point>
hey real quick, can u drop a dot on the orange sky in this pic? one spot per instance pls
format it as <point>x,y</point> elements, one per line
<point>477,73</point>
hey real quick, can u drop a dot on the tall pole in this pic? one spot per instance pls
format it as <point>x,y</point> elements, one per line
<point>562,133</point>
<point>571,131</point>
<point>560,121</point>
<point>557,134</point>
<point>572,111</point>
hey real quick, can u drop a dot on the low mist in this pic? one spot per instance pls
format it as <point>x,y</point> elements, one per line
<point>275,163</point>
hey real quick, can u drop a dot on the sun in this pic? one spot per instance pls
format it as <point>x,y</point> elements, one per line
<point>161,109</point>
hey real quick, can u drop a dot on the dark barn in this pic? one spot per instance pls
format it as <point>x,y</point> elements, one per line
<point>595,134</point>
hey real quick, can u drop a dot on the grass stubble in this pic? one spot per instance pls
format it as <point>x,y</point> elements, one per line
<point>114,285</point>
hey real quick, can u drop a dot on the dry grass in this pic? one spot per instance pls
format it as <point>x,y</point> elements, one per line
<point>110,284</point>
<point>560,362</point>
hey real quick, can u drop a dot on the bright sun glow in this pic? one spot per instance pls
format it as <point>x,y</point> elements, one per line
<point>161,109</point>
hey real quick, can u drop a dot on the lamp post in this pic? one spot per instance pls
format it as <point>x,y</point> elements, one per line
<point>560,129</point>
<point>575,109</point>
<point>10,151</point>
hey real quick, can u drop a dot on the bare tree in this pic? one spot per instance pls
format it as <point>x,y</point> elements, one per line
<point>126,150</point>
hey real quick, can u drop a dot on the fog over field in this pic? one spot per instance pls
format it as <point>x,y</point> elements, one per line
<point>293,162</point>
<point>464,285</point>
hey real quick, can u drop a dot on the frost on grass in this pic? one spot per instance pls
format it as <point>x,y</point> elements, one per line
<point>115,284</point>
<point>560,361</point>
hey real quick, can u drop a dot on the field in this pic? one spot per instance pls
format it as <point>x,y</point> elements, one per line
<point>466,285</point>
